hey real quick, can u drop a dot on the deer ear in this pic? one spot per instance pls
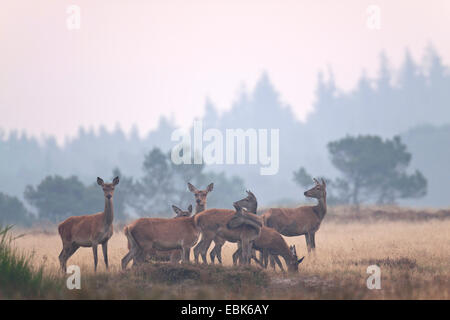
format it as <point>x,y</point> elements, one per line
<point>191,187</point>
<point>315,181</point>
<point>176,209</point>
<point>190,208</point>
<point>323,183</point>
<point>100,181</point>
<point>210,187</point>
<point>116,181</point>
<point>300,260</point>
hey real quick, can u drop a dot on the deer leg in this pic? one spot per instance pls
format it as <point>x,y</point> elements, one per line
<point>264,256</point>
<point>246,252</point>
<point>131,255</point>
<point>212,255</point>
<point>105,253</point>
<point>198,249</point>
<point>218,244</point>
<point>313,240</point>
<point>94,251</point>
<point>277,260</point>
<point>204,250</point>
<point>254,257</point>
<point>63,259</point>
<point>236,255</point>
<point>126,259</point>
<point>67,253</point>
<point>272,262</point>
<point>184,255</point>
<point>308,242</point>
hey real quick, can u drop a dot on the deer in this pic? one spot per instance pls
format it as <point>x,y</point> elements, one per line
<point>89,230</point>
<point>146,234</point>
<point>213,223</point>
<point>200,200</point>
<point>270,242</point>
<point>174,256</point>
<point>304,220</point>
<point>249,227</point>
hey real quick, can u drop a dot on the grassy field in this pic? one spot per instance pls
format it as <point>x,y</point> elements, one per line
<point>414,257</point>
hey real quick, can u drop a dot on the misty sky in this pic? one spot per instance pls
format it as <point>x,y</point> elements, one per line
<point>132,61</point>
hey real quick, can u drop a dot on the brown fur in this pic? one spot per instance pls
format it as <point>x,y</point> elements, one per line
<point>304,220</point>
<point>200,205</point>
<point>213,224</point>
<point>146,234</point>
<point>174,256</point>
<point>270,242</point>
<point>89,230</point>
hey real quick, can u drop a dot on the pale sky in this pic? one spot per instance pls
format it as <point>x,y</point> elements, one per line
<point>133,60</point>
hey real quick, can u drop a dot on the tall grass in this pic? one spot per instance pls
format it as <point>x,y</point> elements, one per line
<point>18,277</point>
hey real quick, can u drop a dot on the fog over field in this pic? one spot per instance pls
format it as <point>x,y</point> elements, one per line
<point>171,133</point>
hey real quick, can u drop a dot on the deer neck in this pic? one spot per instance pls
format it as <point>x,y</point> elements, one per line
<point>321,208</point>
<point>108,212</point>
<point>200,208</point>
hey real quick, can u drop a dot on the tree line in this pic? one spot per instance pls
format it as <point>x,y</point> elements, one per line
<point>372,170</point>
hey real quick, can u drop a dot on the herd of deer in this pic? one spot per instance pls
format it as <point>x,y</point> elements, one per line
<point>172,239</point>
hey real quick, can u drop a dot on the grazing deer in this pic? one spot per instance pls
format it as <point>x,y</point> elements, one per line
<point>270,242</point>
<point>304,220</point>
<point>146,234</point>
<point>213,224</point>
<point>89,230</point>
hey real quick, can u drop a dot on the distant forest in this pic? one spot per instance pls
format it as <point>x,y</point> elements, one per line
<point>413,102</point>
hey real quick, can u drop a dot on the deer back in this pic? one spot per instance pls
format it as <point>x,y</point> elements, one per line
<point>292,221</point>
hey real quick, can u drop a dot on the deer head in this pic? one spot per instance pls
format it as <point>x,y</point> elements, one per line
<point>180,213</point>
<point>108,188</point>
<point>319,191</point>
<point>200,195</point>
<point>249,203</point>
<point>294,261</point>
<point>241,216</point>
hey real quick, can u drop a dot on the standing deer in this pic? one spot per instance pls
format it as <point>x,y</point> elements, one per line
<point>304,220</point>
<point>213,224</point>
<point>249,226</point>
<point>200,200</point>
<point>146,234</point>
<point>89,230</point>
<point>173,256</point>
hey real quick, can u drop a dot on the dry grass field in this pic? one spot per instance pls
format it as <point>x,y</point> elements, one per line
<point>414,257</point>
